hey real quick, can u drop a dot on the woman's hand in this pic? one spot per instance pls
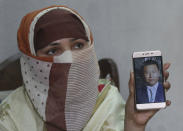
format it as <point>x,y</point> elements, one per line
<point>136,120</point>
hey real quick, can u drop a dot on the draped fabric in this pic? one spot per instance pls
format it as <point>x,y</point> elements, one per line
<point>17,112</point>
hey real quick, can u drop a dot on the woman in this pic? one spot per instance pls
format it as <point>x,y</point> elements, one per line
<point>61,74</point>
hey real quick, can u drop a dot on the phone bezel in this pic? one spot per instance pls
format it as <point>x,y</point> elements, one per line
<point>148,106</point>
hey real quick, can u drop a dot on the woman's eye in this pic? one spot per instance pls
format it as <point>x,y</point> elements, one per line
<point>51,51</point>
<point>78,45</point>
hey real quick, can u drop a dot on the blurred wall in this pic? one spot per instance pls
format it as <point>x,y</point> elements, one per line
<point>119,28</point>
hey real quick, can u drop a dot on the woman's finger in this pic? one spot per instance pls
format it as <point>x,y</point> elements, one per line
<point>168,103</point>
<point>166,75</point>
<point>166,66</point>
<point>167,85</point>
<point>131,83</point>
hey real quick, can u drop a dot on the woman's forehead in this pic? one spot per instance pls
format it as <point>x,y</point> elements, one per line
<point>57,24</point>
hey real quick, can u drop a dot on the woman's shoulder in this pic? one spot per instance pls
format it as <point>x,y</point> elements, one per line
<point>109,92</point>
<point>6,110</point>
<point>107,89</point>
<point>17,112</point>
<point>14,97</point>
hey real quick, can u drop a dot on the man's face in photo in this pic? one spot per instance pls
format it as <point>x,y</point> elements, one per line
<point>151,74</point>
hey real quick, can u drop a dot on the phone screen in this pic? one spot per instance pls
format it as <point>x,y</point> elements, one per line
<point>148,74</point>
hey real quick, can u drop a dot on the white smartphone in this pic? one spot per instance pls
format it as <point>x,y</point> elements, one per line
<point>148,73</point>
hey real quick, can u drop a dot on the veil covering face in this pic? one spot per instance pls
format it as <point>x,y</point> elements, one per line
<point>62,89</point>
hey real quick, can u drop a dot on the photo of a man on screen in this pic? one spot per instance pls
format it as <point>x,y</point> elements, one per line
<point>151,91</point>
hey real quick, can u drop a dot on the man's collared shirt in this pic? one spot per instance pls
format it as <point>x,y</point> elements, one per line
<point>151,90</point>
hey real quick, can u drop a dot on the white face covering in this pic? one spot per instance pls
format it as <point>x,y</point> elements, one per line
<point>64,91</point>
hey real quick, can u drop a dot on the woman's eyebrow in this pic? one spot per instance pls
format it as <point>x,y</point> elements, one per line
<point>53,44</point>
<point>73,39</point>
